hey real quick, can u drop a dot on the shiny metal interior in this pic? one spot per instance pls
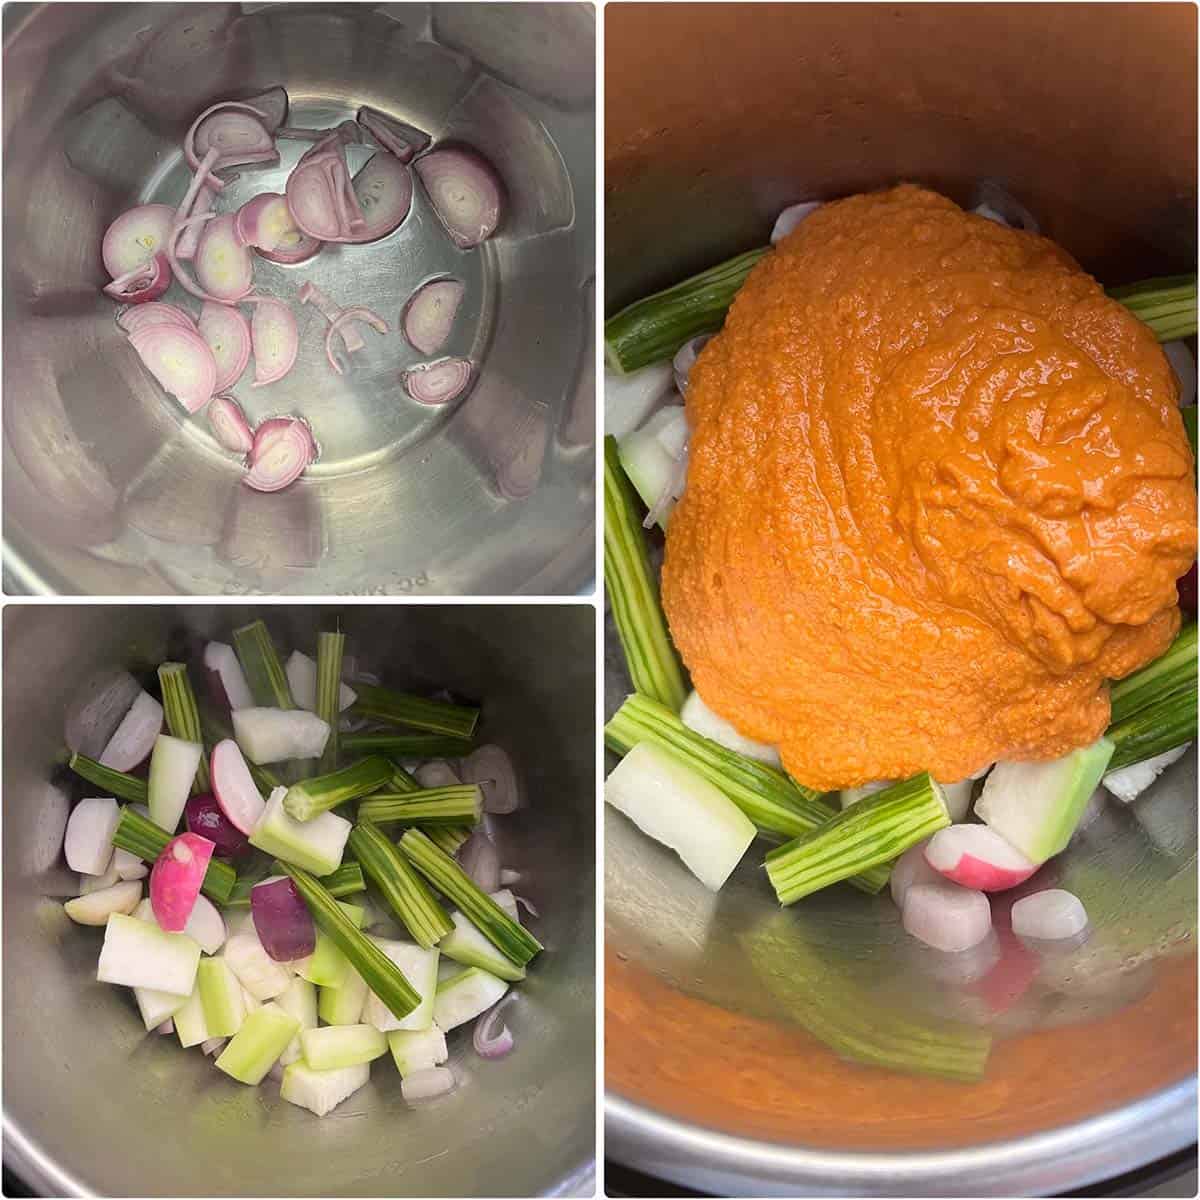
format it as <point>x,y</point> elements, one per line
<point>94,1105</point>
<point>111,488</point>
<point>715,1077</point>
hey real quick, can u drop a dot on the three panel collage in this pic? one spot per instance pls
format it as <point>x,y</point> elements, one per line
<point>599,598</point>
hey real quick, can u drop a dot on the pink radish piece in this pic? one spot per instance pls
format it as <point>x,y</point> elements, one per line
<point>311,294</point>
<point>264,221</point>
<point>974,856</point>
<point>1049,915</point>
<point>87,843</point>
<point>176,878</point>
<point>221,661</point>
<point>224,267</point>
<point>205,199</point>
<point>276,340</point>
<point>205,816</point>
<point>429,314</point>
<point>228,336</point>
<point>438,382</point>
<point>384,189</point>
<point>396,137</point>
<point>357,313</point>
<point>946,917</point>
<point>234,786</point>
<point>237,132</point>
<point>134,737</point>
<point>135,237</point>
<point>279,458</point>
<point>282,920</point>
<point>180,360</point>
<point>909,869</point>
<point>465,193</point>
<point>155,313</point>
<point>142,284</point>
<point>229,425</point>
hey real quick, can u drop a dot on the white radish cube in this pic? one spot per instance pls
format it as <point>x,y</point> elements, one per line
<point>909,869</point>
<point>701,719</point>
<point>134,737</point>
<point>205,926</point>
<point>302,679</point>
<point>88,841</point>
<point>947,917</point>
<point>268,735</point>
<point>129,866</point>
<point>1127,783</point>
<point>1049,915</point>
<point>256,970</point>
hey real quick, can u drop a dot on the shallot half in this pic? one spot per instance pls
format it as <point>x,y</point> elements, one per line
<point>438,382</point>
<point>428,316</point>
<point>465,192</point>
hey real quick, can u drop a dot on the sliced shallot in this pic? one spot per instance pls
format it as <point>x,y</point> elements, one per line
<point>384,189</point>
<point>465,193</point>
<point>311,294</point>
<point>278,461</point>
<point>180,360</point>
<point>396,137</point>
<point>437,382</point>
<point>491,1037</point>
<point>155,313</point>
<point>189,240</point>
<point>426,1084</point>
<point>356,313</point>
<point>320,194</point>
<point>271,106</point>
<point>229,425</point>
<point>526,904</point>
<point>429,314</point>
<point>264,221</point>
<point>228,336</point>
<point>224,267</point>
<point>275,426</point>
<point>492,769</point>
<point>236,131</point>
<point>294,247</point>
<point>142,284</point>
<point>276,339</point>
<point>478,858</point>
<point>135,237</point>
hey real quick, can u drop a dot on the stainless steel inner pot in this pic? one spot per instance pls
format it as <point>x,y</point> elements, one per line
<point>94,1105</point>
<point>728,1020</point>
<point>110,488</point>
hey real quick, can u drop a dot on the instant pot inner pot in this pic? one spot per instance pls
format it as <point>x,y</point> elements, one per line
<point>816,1049</point>
<point>112,487</point>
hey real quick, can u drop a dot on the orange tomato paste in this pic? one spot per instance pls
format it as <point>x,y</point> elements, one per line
<point>939,492</point>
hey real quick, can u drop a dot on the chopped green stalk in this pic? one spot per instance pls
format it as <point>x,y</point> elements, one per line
<point>330,647</point>
<point>347,880</point>
<point>446,838</point>
<point>456,805</point>
<point>402,888</point>
<point>221,997</point>
<point>183,717</point>
<point>403,781</point>
<point>113,783</point>
<point>517,943</point>
<point>379,973</point>
<point>314,796</point>
<point>872,832</point>
<point>434,716</point>
<point>773,801</point>
<point>139,835</point>
<point>654,327</point>
<point>1154,730</point>
<point>633,591</point>
<point>256,1047</point>
<point>1167,304</point>
<point>1173,671</point>
<point>406,745</point>
<point>338,1046</point>
<point>260,662</point>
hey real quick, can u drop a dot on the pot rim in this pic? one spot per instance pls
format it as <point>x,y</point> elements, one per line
<point>1053,1161</point>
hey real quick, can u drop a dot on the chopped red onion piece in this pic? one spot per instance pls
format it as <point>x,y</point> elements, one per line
<point>142,284</point>
<point>155,313</point>
<point>264,221</point>
<point>426,1084</point>
<point>236,131</point>
<point>478,858</point>
<point>224,267</point>
<point>437,382</point>
<point>228,337</point>
<point>357,313</point>
<point>280,459</point>
<point>135,237</point>
<point>311,294</point>
<point>465,193</point>
<point>282,920</point>
<point>396,137</point>
<point>276,339</point>
<point>492,769</point>
<point>229,425</point>
<point>203,816</point>
<point>181,362</point>
<point>791,217</point>
<point>428,316</point>
<point>491,1037</point>
<point>189,240</point>
<point>384,189</point>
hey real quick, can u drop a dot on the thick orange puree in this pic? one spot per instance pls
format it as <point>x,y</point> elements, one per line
<point>939,491</point>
